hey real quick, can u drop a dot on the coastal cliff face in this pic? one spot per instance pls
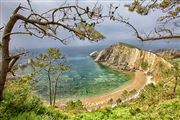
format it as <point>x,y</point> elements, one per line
<point>126,57</point>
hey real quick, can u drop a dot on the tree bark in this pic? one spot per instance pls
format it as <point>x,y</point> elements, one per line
<point>50,90</point>
<point>55,89</point>
<point>175,85</point>
<point>5,53</point>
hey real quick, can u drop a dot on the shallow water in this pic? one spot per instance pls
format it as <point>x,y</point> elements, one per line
<point>85,79</point>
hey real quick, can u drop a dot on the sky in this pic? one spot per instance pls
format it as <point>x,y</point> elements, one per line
<point>113,31</point>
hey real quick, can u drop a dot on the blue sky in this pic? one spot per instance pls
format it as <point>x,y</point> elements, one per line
<point>113,31</point>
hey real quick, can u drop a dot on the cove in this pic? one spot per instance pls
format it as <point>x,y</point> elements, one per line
<point>85,79</point>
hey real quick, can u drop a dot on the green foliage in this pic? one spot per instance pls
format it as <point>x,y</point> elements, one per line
<point>177,9</point>
<point>85,30</point>
<point>144,65</point>
<point>165,3</point>
<point>143,8</point>
<point>74,105</point>
<point>53,64</point>
<point>20,104</point>
<point>53,60</point>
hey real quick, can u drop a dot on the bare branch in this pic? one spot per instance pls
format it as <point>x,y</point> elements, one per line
<point>29,3</point>
<point>162,38</point>
<point>18,8</point>
<point>12,62</point>
<point>13,59</point>
<point>136,31</point>
<point>162,31</point>
<point>1,27</point>
<point>12,73</point>
<point>17,55</point>
<point>15,33</point>
<point>147,38</point>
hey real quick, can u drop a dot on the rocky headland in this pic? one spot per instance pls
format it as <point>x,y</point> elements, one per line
<point>147,67</point>
<point>129,58</point>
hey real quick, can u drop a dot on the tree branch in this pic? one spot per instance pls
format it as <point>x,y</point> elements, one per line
<point>15,33</point>
<point>17,55</point>
<point>33,22</point>
<point>1,27</point>
<point>161,38</point>
<point>18,8</point>
<point>13,60</point>
<point>171,36</point>
<point>136,31</point>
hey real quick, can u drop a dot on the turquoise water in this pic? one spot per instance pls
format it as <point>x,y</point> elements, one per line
<point>85,79</point>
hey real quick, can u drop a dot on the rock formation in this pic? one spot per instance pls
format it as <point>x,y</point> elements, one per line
<point>126,57</point>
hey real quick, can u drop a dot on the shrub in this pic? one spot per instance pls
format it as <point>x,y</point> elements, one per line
<point>74,105</point>
<point>21,104</point>
<point>144,65</point>
<point>134,111</point>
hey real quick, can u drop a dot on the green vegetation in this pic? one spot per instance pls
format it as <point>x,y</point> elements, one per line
<point>144,65</point>
<point>53,63</point>
<point>156,102</point>
<point>168,110</point>
<point>74,105</point>
<point>129,45</point>
<point>20,103</point>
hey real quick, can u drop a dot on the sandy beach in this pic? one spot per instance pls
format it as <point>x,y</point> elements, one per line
<point>137,83</point>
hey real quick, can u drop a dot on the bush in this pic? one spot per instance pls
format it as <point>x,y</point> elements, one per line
<point>20,103</point>
<point>144,65</point>
<point>74,105</point>
<point>134,111</point>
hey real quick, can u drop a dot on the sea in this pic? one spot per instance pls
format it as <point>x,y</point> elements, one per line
<point>86,78</point>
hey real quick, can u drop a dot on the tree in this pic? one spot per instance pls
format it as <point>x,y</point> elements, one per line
<point>52,63</point>
<point>175,72</point>
<point>173,75</point>
<point>79,21</point>
<point>167,25</point>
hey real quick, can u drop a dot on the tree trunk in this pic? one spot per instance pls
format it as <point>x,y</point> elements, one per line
<point>175,85</point>
<point>55,89</point>
<point>5,53</point>
<point>50,90</point>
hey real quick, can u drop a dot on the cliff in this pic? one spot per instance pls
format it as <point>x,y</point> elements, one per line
<point>126,57</point>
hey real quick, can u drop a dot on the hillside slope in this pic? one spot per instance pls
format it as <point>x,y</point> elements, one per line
<point>129,58</point>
